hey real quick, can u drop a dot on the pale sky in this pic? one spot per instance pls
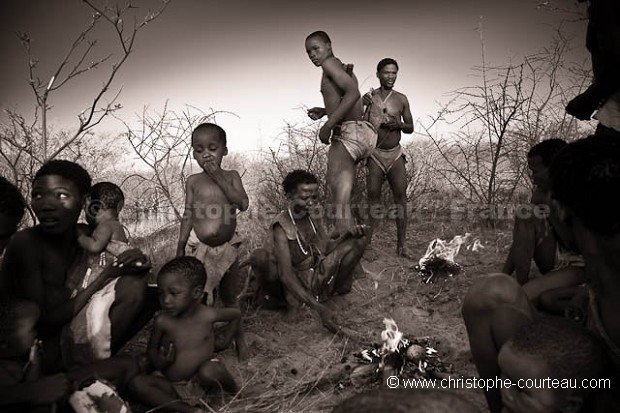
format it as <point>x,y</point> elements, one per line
<point>248,56</point>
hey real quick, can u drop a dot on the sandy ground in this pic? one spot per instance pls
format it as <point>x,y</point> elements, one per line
<point>298,366</point>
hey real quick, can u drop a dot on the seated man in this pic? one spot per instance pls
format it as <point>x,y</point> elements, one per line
<point>46,265</point>
<point>583,177</point>
<point>306,265</point>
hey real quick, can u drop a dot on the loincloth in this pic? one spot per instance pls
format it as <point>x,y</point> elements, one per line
<point>189,391</point>
<point>217,260</point>
<point>386,158</point>
<point>88,336</point>
<point>358,137</point>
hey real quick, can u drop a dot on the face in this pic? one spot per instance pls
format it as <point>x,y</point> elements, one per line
<point>8,227</point>
<point>207,146</point>
<point>176,294</point>
<point>539,172</point>
<point>302,200</point>
<point>515,366</point>
<point>387,76</point>
<point>57,203</point>
<point>318,51</point>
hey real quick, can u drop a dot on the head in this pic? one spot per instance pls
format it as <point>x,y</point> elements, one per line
<point>584,175</point>
<point>59,191</point>
<point>549,347</point>
<point>12,208</point>
<point>539,160</point>
<point>387,70</point>
<point>318,47</point>
<point>17,327</point>
<point>405,401</point>
<point>106,200</point>
<point>181,283</point>
<point>209,144</point>
<point>302,190</point>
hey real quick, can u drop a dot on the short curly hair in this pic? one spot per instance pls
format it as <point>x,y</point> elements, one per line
<point>569,350</point>
<point>211,127</point>
<point>189,267</point>
<point>109,195</point>
<point>547,150</point>
<point>68,170</point>
<point>12,202</point>
<point>296,177</point>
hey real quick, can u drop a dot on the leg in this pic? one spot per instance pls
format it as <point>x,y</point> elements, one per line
<point>563,277</point>
<point>131,296</point>
<point>155,391</point>
<point>351,251</point>
<point>119,370</point>
<point>494,308</point>
<point>398,183</point>
<point>546,246</point>
<point>374,182</point>
<point>522,248</point>
<point>214,376</point>
<point>229,288</point>
<point>340,177</point>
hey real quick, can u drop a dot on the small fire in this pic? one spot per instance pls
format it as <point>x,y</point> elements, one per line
<point>439,257</point>
<point>391,336</point>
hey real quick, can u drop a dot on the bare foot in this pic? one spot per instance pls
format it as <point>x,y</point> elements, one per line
<point>403,252</point>
<point>243,351</point>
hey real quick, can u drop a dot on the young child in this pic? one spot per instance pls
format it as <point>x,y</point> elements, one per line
<point>352,139</point>
<point>102,209</point>
<point>555,348</point>
<point>182,341</point>
<point>406,401</point>
<point>212,198</point>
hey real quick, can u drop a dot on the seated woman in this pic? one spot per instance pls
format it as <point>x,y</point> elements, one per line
<point>46,265</point>
<point>306,265</point>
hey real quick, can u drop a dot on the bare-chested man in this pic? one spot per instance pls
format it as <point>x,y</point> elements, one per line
<point>352,139</point>
<point>209,223</point>
<point>389,112</point>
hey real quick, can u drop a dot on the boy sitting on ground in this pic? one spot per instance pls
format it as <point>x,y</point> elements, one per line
<point>182,342</point>
<point>554,348</point>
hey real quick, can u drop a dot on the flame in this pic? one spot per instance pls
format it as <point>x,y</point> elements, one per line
<point>390,336</point>
<point>444,249</point>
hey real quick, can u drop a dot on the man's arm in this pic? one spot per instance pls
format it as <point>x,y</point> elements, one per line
<point>186,220</point>
<point>98,241</point>
<point>407,125</point>
<point>335,72</point>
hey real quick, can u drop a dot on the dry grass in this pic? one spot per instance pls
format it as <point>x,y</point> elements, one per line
<point>300,367</point>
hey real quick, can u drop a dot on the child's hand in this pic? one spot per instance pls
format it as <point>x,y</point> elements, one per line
<point>212,169</point>
<point>167,354</point>
<point>132,261</point>
<point>316,113</point>
<point>50,389</point>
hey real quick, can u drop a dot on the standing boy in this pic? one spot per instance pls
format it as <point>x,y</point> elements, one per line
<point>208,227</point>
<point>352,139</point>
<point>389,112</point>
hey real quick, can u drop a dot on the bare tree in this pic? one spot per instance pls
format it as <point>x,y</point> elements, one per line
<point>499,119</point>
<point>27,143</point>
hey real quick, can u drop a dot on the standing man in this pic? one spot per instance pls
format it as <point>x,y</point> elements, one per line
<point>352,139</point>
<point>388,111</point>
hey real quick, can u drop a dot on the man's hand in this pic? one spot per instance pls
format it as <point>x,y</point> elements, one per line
<point>316,113</point>
<point>328,318</point>
<point>358,231</point>
<point>49,389</point>
<point>131,261</point>
<point>367,98</point>
<point>325,133</point>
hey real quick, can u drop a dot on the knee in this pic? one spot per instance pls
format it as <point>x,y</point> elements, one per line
<point>210,372</point>
<point>490,292</point>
